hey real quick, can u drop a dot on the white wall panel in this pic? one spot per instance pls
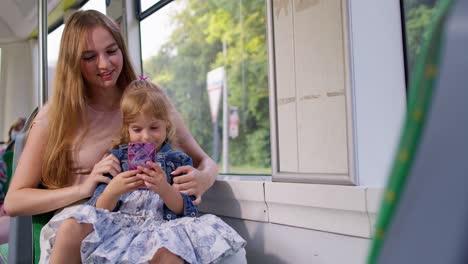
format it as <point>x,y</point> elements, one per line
<point>320,80</point>
<point>286,86</point>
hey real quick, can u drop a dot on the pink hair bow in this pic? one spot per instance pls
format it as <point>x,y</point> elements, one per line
<point>143,78</point>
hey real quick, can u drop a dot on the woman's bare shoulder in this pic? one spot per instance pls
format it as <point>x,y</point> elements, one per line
<point>41,120</point>
<point>42,115</point>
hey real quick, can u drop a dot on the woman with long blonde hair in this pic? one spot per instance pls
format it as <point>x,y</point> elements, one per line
<point>65,155</point>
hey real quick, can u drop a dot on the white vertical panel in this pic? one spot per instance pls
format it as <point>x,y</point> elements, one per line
<point>379,86</point>
<point>17,84</point>
<point>286,85</point>
<point>320,81</point>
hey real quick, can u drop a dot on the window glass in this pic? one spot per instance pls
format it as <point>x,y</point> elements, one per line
<point>182,42</point>
<point>417,17</point>
<point>53,47</point>
<point>99,5</point>
<point>145,4</point>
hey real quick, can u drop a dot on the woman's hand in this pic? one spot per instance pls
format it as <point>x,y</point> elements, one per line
<point>155,178</point>
<point>192,181</point>
<point>108,164</point>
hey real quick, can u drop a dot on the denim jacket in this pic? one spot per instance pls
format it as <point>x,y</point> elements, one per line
<point>170,160</point>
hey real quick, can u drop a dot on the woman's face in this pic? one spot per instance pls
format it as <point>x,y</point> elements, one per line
<point>101,61</point>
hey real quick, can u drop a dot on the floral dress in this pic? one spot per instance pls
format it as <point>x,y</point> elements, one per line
<point>139,226</point>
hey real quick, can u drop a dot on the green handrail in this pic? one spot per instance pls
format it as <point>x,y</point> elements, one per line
<point>421,88</point>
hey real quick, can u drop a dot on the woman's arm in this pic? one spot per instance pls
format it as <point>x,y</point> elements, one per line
<point>194,181</point>
<point>24,197</point>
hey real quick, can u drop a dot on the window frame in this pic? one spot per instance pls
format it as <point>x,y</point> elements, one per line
<point>140,15</point>
<point>349,178</point>
<point>404,42</point>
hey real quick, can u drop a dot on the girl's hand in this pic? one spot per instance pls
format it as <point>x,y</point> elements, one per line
<point>155,178</point>
<point>191,181</point>
<point>123,183</point>
<point>108,164</point>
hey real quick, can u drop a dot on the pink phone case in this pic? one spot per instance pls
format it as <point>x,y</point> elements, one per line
<point>139,153</point>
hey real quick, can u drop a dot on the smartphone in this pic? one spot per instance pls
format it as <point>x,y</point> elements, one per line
<point>139,153</point>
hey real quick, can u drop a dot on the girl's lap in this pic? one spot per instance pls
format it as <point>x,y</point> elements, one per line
<point>198,240</point>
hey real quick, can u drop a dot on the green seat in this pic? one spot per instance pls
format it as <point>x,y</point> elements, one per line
<point>23,244</point>
<point>410,181</point>
<point>38,222</point>
<point>3,253</point>
<point>8,159</point>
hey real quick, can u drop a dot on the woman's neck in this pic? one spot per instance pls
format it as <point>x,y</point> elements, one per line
<point>105,100</point>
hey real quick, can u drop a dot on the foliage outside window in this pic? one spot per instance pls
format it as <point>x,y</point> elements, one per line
<point>417,17</point>
<point>183,41</point>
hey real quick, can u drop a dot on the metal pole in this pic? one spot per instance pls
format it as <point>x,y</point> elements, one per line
<point>43,66</point>
<point>215,141</point>
<point>225,118</point>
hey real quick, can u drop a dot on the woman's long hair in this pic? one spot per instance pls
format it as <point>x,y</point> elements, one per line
<point>67,113</point>
<point>143,97</point>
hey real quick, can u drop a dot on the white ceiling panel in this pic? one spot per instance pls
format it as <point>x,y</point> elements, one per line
<point>18,18</point>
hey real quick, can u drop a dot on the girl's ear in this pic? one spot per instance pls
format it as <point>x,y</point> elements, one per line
<point>168,126</point>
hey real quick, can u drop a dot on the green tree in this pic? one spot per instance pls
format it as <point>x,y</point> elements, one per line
<point>418,14</point>
<point>416,23</point>
<point>195,48</point>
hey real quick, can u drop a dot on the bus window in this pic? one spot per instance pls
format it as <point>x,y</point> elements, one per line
<point>184,42</point>
<point>53,47</point>
<point>99,5</point>
<point>417,15</point>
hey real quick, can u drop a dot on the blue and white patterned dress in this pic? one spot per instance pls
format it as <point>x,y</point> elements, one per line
<point>134,232</point>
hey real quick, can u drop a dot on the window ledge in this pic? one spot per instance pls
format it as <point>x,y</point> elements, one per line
<point>238,197</point>
<point>348,210</point>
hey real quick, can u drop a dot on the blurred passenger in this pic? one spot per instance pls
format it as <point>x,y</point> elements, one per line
<point>15,129</point>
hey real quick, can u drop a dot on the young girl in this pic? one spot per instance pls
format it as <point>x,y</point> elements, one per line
<point>139,212</point>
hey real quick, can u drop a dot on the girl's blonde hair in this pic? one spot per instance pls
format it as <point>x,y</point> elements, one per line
<point>146,98</point>
<point>67,111</point>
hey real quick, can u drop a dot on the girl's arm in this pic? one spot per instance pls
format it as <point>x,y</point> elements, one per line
<point>156,180</point>
<point>122,183</point>
<point>173,199</point>
<point>106,201</point>
<point>194,181</point>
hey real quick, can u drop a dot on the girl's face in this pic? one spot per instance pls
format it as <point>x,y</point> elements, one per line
<point>148,130</point>
<point>101,62</point>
